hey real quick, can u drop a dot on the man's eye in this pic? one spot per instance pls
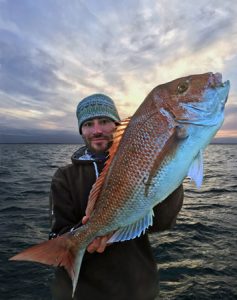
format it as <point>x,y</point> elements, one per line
<point>87,124</point>
<point>104,121</point>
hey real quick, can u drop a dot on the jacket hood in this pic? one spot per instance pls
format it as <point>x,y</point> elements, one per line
<point>84,156</point>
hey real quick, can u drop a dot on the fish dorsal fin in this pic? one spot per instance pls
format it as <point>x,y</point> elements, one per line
<point>96,188</point>
<point>195,171</point>
<point>134,230</point>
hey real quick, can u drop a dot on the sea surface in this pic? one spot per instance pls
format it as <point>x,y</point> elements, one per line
<point>197,259</point>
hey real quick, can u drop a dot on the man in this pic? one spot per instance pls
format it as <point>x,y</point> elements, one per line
<point>120,271</point>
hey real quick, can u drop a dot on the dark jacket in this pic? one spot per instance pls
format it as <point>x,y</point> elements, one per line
<point>125,270</point>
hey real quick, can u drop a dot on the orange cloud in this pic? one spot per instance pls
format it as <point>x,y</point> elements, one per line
<point>226,134</point>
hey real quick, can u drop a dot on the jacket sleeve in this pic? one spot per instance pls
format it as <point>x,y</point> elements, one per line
<point>62,210</point>
<point>166,212</point>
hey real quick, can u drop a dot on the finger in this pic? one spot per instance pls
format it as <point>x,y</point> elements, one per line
<point>103,244</point>
<point>93,246</point>
<point>85,219</point>
<point>99,244</point>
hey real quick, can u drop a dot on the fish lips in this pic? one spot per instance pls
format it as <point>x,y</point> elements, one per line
<point>223,92</point>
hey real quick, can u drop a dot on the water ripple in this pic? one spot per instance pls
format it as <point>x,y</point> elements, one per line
<point>197,259</point>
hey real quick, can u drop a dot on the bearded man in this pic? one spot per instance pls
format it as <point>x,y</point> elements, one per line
<point>119,271</point>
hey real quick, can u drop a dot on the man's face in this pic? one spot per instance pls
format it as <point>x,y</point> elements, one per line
<point>98,133</point>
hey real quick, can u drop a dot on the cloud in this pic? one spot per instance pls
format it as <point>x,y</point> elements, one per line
<point>10,135</point>
<point>230,118</point>
<point>26,70</point>
<point>53,53</point>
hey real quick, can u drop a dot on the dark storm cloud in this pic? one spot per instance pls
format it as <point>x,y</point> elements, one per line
<point>10,135</point>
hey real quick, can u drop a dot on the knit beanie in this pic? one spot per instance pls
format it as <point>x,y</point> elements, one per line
<point>94,106</point>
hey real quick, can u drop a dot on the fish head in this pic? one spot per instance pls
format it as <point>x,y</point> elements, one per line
<point>196,99</point>
<point>190,111</point>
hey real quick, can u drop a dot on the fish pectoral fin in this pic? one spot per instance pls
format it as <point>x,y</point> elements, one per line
<point>133,230</point>
<point>195,171</point>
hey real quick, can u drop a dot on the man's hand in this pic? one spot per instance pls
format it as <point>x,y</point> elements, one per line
<point>100,243</point>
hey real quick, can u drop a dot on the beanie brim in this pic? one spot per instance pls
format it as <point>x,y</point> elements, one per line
<point>99,117</point>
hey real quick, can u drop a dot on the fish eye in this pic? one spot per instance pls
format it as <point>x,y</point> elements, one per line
<point>182,87</point>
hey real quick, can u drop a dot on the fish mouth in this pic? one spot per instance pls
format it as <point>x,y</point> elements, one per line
<point>224,89</point>
<point>202,112</point>
<point>216,80</point>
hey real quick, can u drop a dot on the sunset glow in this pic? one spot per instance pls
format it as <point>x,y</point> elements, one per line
<point>121,49</point>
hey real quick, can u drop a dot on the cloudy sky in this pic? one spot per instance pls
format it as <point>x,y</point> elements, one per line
<point>54,52</point>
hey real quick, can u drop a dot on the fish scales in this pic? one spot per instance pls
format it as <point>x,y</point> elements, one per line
<point>142,142</point>
<point>129,185</point>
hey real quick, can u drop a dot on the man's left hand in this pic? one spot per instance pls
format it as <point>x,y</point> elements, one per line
<point>100,243</point>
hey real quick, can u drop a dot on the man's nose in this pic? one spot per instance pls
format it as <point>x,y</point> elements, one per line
<point>97,128</point>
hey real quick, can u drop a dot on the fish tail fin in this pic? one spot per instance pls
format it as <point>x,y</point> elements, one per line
<point>61,251</point>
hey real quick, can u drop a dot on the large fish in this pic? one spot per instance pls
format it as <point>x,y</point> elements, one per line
<point>151,155</point>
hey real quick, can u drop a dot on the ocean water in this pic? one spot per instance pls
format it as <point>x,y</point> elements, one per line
<point>197,259</point>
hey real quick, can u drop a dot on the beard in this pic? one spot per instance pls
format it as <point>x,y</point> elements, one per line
<point>98,143</point>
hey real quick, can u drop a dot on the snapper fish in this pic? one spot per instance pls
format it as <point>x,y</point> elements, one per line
<point>152,153</point>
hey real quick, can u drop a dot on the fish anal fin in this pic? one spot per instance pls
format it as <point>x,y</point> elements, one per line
<point>134,230</point>
<point>96,188</point>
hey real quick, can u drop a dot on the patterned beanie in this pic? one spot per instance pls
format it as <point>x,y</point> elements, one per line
<point>96,105</point>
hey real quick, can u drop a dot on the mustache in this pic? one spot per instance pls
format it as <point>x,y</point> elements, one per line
<point>101,135</point>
